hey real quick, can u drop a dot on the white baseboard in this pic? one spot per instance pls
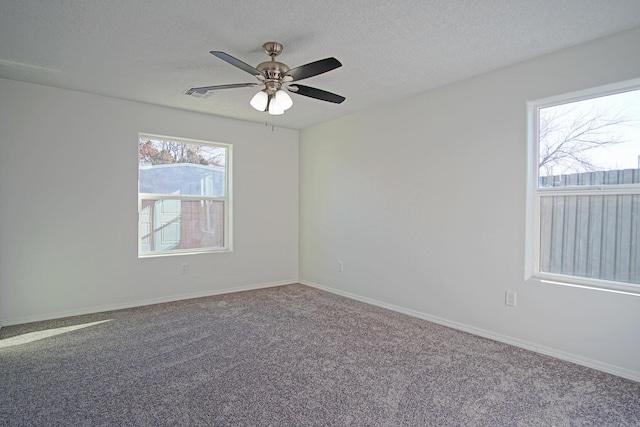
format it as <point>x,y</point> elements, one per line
<point>140,303</point>
<point>547,351</point>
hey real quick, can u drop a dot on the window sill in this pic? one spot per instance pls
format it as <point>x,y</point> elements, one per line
<point>185,252</point>
<point>579,282</point>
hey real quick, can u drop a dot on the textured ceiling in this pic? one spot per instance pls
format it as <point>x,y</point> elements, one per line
<point>153,50</point>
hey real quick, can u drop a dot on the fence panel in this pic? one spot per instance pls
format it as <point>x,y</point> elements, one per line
<point>593,236</point>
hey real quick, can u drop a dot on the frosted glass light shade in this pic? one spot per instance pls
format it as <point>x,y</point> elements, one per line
<point>283,100</point>
<point>274,108</point>
<point>259,101</point>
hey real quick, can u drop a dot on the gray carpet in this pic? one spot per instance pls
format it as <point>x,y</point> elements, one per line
<point>290,356</point>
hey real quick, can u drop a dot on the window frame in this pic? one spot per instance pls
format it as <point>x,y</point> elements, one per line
<point>536,193</point>
<point>227,199</point>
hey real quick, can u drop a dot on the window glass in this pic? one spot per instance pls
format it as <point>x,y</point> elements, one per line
<point>580,140</point>
<point>183,196</point>
<point>591,236</point>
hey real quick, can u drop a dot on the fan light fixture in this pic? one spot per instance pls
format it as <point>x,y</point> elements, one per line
<point>277,79</point>
<point>275,104</point>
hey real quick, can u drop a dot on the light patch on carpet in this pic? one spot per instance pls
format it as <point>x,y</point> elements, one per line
<point>39,335</point>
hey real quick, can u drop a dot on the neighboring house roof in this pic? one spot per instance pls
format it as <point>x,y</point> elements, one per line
<point>182,178</point>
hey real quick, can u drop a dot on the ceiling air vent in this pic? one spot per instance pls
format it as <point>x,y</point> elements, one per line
<point>197,93</point>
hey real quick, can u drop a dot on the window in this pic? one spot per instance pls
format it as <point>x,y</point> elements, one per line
<point>184,202</point>
<point>584,212</point>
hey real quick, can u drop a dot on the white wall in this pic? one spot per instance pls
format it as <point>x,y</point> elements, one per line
<point>68,205</point>
<point>424,202</point>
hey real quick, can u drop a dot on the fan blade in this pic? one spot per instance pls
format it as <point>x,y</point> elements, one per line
<point>208,88</point>
<point>320,94</point>
<point>236,62</point>
<point>313,68</point>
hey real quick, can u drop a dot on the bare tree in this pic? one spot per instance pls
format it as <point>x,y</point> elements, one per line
<point>211,155</point>
<point>568,137</point>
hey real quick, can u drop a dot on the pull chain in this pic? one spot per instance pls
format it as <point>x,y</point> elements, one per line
<point>273,128</point>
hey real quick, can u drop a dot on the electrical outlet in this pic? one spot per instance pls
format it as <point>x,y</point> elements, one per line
<point>340,266</point>
<point>185,268</point>
<point>510,298</point>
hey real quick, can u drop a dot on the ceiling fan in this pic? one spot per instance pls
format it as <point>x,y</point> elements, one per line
<point>277,79</point>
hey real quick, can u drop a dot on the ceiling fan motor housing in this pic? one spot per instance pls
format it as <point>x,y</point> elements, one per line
<point>272,70</point>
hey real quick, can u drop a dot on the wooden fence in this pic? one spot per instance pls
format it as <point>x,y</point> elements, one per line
<point>593,236</point>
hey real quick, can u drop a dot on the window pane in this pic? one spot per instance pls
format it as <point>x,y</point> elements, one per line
<point>173,167</point>
<point>169,224</point>
<point>580,141</point>
<point>593,236</point>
